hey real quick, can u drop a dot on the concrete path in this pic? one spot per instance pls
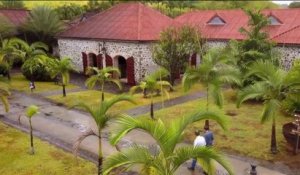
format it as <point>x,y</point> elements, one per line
<point>59,92</point>
<point>62,127</point>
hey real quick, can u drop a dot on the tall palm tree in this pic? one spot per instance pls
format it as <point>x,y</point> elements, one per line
<point>168,157</point>
<point>44,22</point>
<point>4,93</point>
<point>101,117</point>
<point>8,53</point>
<point>152,84</point>
<point>61,67</point>
<point>272,89</point>
<point>102,76</point>
<point>214,71</point>
<point>30,112</point>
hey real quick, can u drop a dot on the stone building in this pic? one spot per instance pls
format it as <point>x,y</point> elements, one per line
<point>123,36</point>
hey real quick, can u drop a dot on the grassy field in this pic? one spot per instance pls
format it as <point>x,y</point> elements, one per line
<point>20,83</point>
<point>14,159</point>
<point>246,136</point>
<point>32,4</point>
<point>92,97</point>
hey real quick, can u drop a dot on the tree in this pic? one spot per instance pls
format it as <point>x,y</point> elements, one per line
<point>103,76</point>
<point>215,70</point>
<point>4,93</point>
<point>69,12</point>
<point>152,84</point>
<point>294,4</point>
<point>168,156</point>
<point>174,47</point>
<point>44,23</point>
<point>31,111</point>
<point>61,67</point>
<point>16,4</point>
<point>272,88</point>
<point>7,28</point>
<point>96,5</point>
<point>101,117</point>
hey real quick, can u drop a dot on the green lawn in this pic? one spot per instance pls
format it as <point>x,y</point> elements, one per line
<point>32,4</point>
<point>20,83</point>
<point>245,136</point>
<point>92,97</point>
<point>48,159</point>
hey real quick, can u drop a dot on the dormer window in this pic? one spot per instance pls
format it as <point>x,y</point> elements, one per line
<point>216,20</point>
<point>273,20</point>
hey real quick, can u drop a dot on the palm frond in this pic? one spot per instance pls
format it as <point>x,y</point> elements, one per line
<point>270,109</point>
<point>31,111</point>
<point>215,91</point>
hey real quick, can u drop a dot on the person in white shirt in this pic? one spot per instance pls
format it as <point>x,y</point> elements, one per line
<point>199,141</point>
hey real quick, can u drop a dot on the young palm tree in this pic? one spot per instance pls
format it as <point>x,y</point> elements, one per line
<point>272,89</point>
<point>214,71</point>
<point>61,67</point>
<point>101,117</point>
<point>152,84</point>
<point>168,157</point>
<point>102,76</point>
<point>30,112</point>
<point>4,93</point>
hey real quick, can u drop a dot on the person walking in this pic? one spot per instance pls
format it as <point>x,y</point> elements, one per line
<point>209,137</point>
<point>198,142</point>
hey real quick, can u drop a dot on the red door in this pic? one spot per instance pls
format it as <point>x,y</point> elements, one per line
<point>194,60</point>
<point>130,71</point>
<point>84,61</point>
<point>108,60</point>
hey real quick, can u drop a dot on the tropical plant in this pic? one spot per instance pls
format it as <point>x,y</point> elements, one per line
<point>214,71</point>
<point>102,76</point>
<point>8,53</point>
<point>101,117</point>
<point>153,83</point>
<point>174,47</point>
<point>31,111</point>
<point>4,93</point>
<point>35,69</point>
<point>44,23</point>
<point>168,156</point>
<point>69,11</point>
<point>272,89</point>
<point>7,28</point>
<point>61,67</point>
<point>15,4</point>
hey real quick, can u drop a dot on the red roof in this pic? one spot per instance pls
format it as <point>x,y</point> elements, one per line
<point>286,32</point>
<point>125,21</point>
<point>15,16</point>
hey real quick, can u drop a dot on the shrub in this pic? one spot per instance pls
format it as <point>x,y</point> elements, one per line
<point>291,103</point>
<point>39,71</point>
<point>4,69</point>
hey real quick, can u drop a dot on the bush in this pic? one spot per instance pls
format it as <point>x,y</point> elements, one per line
<point>39,71</point>
<point>291,103</point>
<point>4,69</point>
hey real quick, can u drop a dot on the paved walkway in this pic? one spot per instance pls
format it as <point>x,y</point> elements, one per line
<point>62,127</point>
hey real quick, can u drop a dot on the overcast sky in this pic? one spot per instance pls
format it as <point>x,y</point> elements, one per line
<point>283,2</point>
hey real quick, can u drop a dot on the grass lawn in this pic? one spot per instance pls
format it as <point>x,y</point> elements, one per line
<point>48,159</point>
<point>245,135</point>
<point>20,83</point>
<point>92,97</point>
<point>32,4</point>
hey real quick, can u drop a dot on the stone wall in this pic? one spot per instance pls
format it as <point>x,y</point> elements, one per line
<point>141,52</point>
<point>288,55</point>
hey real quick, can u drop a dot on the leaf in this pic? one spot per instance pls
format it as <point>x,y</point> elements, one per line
<point>31,111</point>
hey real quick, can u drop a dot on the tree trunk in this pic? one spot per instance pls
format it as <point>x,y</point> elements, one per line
<point>151,108</point>
<point>102,94</point>
<point>64,90</point>
<point>206,125</point>
<point>8,75</point>
<point>100,157</point>
<point>273,138</point>
<point>31,138</point>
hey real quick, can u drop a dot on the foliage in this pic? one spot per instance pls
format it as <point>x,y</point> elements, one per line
<point>31,111</point>
<point>153,83</point>
<point>4,93</point>
<point>174,47</point>
<point>101,117</point>
<point>69,11</point>
<point>44,23</point>
<point>16,4</point>
<point>103,76</point>
<point>7,29</point>
<point>34,69</point>
<point>294,4</point>
<point>167,158</point>
<point>272,89</point>
<point>96,5</point>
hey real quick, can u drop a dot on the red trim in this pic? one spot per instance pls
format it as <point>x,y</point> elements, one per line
<point>130,71</point>
<point>108,60</point>
<point>194,60</point>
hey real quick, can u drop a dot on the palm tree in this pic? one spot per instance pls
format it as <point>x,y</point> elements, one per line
<point>168,157</point>
<point>103,76</point>
<point>272,89</point>
<point>44,22</point>
<point>152,84</point>
<point>8,53</point>
<point>214,71</point>
<point>30,112</point>
<point>7,28</point>
<point>4,93</point>
<point>101,117</point>
<point>61,67</point>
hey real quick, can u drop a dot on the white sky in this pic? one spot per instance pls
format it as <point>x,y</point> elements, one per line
<point>283,2</point>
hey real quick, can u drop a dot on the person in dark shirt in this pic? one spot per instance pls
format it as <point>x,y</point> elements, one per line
<point>209,137</point>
